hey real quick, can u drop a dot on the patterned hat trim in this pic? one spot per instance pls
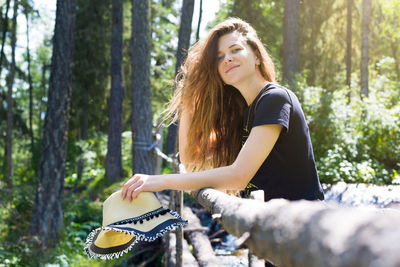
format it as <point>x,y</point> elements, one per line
<point>114,249</point>
<point>127,226</point>
<point>147,216</point>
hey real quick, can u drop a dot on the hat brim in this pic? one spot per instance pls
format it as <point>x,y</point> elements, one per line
<point>101,243</point>
<point>114,240</point>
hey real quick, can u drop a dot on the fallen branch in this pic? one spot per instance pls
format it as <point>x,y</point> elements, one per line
<point>202,248</point>
<point>188,258</point>
<point>309,233</point>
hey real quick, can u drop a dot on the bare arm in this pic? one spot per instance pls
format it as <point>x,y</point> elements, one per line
<point>236,176</point>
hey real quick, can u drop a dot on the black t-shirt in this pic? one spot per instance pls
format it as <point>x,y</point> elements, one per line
<point>289,170</point>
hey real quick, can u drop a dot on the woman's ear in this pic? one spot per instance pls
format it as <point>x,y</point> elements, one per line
<point>257,61</point>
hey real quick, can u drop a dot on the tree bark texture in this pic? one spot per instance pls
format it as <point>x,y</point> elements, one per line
<point>199,21</point>
<point>253,260</point>
<point>188,258</point>
<point>159,139</point>
<point>349,47</point>
<point>10,83</point>
<point>314,33</point>
<point>249,11</point>
<point>309,233</point>
<point>84,108</point>
<point>178,201</point>
<point>349,38</point>
<point>185,30</point>
<point>47,219</point>
<point>114,155</point>
<point>366,18</point>
<point>142,138</point>
<point>3,39</point>
<point>44,92</point>
<point>290,41</point>
<point>84,115</point>
<point>28,58</point>
<point>202,248</point>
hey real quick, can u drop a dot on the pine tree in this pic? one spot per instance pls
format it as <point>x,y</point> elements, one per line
<point>142,139</point>
<point>47,221</point>
<point>114,157</point>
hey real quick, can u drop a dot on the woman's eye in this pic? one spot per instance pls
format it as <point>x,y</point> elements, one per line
<point>236,50</point>
<point>220,58</point>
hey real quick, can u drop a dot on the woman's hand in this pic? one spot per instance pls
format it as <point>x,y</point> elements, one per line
<point>139,183</point>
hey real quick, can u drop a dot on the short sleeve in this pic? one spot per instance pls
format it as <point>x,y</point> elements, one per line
<point>273,107</point>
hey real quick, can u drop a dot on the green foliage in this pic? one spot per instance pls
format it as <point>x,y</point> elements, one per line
<point>356,141</point>
<point>82,208</point>
<point>15,214</point>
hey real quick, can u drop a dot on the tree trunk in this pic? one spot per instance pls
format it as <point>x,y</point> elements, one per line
<point>394,46</point>
<point>142,139</point>
<point>47,221</point>
<point>10,84</point>
<point>183,45</point>
<point>314,28</point>
<point>28,57</point>
<point>366,17</point>
<point>40,106</point>
<point>84,108</point>
<point>3,40</point>
<point>290,41</point>
<point>249,11</point>
<point>84,130</point>
<point>348,53</point>
<point>199,22</point>
<point>159,139</point>
<point>43,83</point>
<point>113,159</point>
<point>178,197</point>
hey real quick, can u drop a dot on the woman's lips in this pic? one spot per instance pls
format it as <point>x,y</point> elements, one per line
<point>231,68</point>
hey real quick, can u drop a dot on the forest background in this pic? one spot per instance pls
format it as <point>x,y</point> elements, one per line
<point>115,77</point>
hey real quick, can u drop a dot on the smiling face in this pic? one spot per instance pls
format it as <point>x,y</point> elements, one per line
<point>237,63</point>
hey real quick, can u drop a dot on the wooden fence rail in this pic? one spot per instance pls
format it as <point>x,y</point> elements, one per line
<point>309,233</point>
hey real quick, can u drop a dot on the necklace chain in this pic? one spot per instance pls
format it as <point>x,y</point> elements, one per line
<point>251,106</point>
<point>248,117</point>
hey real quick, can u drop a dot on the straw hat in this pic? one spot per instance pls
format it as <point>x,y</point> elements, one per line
<point>125,223</point>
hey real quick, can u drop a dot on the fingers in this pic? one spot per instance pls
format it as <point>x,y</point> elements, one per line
<point>135,192</point>
<point>133,187</point>
<point>126,186</point>
<point>131,192</point>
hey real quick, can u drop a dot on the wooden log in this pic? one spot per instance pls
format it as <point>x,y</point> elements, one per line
<point>188,258</point>
<point>184,257</point>
<point>190,229</point>
<point>309,233</point>
<point>159,138</point>
<point>253,260</point>
<point>202,248</point>
<point>178,203</point>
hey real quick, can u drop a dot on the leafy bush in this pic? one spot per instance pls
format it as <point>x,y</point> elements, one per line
<point>357,141</point>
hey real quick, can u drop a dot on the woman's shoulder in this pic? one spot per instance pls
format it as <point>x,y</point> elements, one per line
<point>275,90</point>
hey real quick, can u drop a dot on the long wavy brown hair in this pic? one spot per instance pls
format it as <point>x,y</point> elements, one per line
<point>214,136</point>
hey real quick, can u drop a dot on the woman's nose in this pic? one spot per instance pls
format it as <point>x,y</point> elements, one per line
<point>228,58</point>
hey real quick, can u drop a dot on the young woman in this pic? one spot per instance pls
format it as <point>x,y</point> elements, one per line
<point>238,129</point>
